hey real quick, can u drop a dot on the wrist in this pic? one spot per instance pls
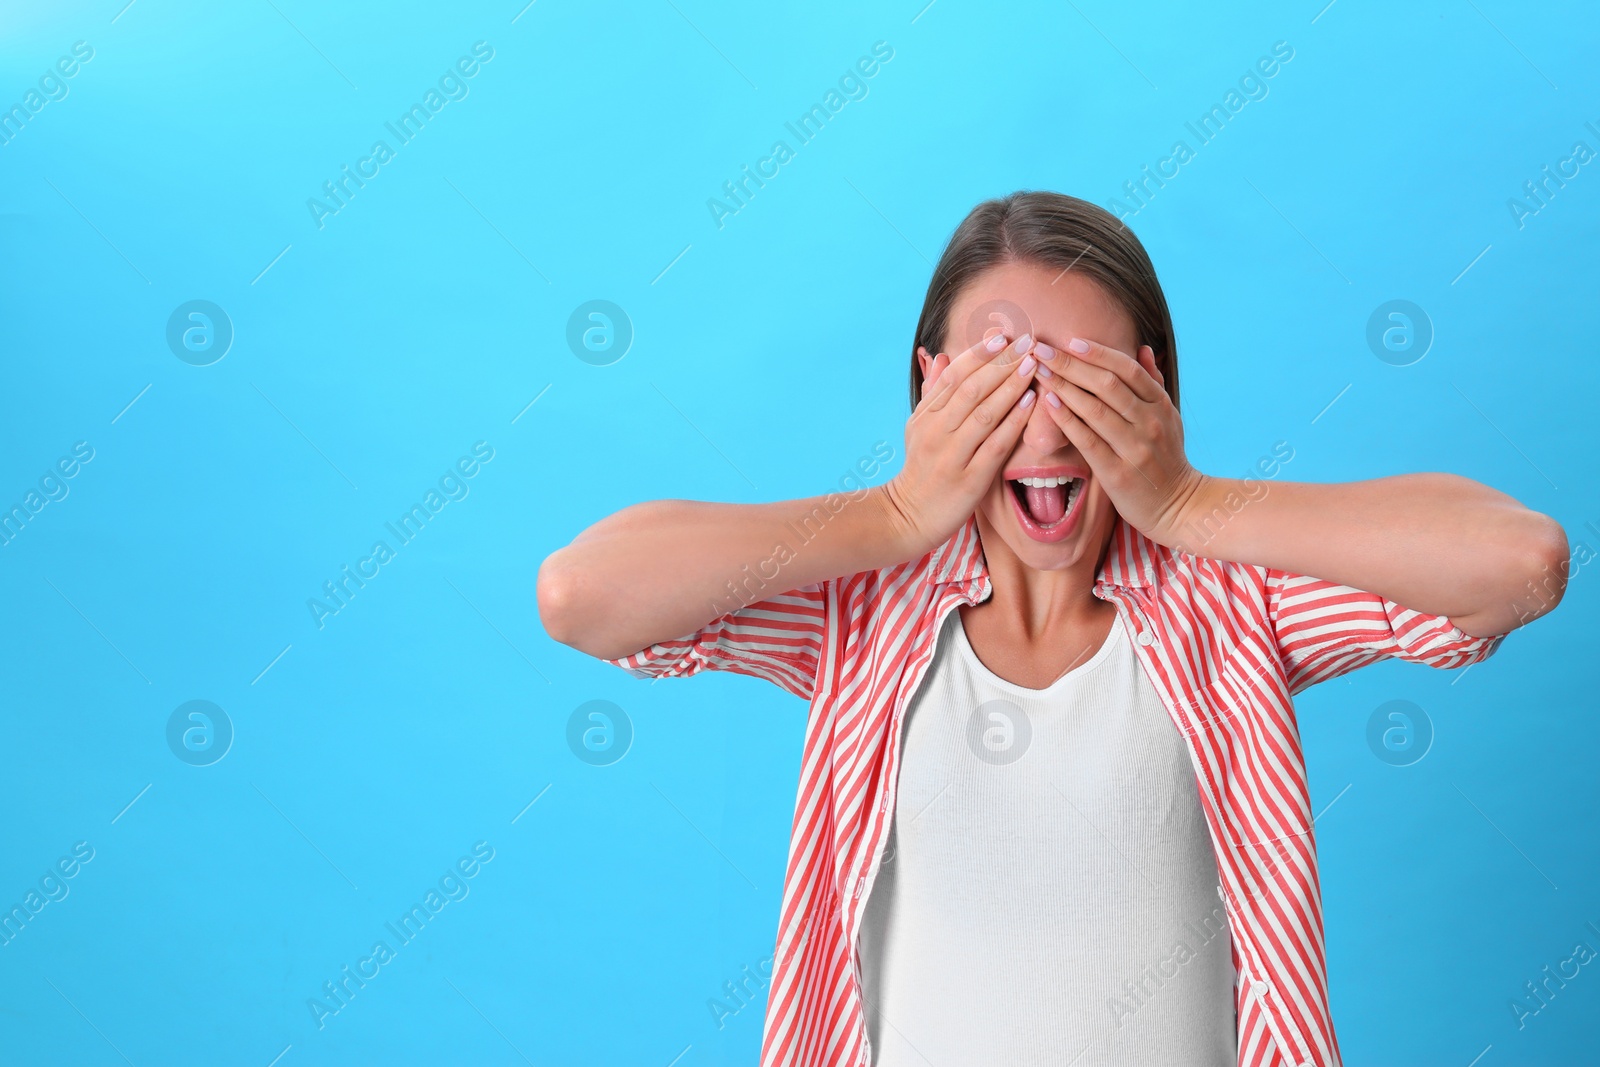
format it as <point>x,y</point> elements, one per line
<point>903,537</point>
<point>1195,515</point>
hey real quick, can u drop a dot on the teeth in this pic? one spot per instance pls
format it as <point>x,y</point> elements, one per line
<point>1044,483</point>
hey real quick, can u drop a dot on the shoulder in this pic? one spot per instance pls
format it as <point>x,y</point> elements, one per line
<point>1174,577</point>
<point>892,605</point>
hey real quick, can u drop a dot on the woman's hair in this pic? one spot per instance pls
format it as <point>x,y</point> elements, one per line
<point>1060,233</point>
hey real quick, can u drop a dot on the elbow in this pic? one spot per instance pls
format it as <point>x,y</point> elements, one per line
<point>559,600</point>
<point>1535,566</point>
<point>564,599</point>
<point>1552,560</point>
<point>1545,565</point>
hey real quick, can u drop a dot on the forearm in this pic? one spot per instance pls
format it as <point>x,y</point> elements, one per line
<point>1435,543</point>
<point>664,569</point>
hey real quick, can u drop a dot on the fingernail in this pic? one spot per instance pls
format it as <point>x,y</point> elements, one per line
<point>1078,345</point>
<point>1024,344</point>
<point>1053,400</point>
<point>1044,351</point>
<point>995,343</point>
<point>1026,368</point>
<point>1027,399</point>
<point>1044,372</point>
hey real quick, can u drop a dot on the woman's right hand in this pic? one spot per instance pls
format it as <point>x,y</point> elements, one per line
<point>664,569</point>
<point>973,410</point>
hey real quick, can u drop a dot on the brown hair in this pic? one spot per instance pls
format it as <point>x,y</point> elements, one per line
<point>1054,231</point>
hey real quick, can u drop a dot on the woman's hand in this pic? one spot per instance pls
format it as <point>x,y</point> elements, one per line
<point>1113,408</point>
<point>972,412</point>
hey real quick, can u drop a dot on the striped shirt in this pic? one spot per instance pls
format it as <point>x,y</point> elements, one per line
<point>1226,644</point>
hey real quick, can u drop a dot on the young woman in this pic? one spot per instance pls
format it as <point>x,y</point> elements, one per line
<point>1053,807</point>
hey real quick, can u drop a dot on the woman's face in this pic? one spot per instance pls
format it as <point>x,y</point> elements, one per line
<point>1047,527</point>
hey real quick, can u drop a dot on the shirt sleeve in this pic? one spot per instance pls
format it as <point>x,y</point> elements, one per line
<point>779,639</point>
<point>1324,630</point>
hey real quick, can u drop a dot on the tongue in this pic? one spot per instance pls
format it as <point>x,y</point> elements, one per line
<point>1046,505</point>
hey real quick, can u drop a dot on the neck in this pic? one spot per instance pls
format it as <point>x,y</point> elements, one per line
<point>1035,602</point>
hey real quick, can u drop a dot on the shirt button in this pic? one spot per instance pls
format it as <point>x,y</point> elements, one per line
<point>1146,637</point>
<point>1263,987</point>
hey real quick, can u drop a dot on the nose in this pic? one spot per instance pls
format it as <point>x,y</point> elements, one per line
<point>1041,434</point>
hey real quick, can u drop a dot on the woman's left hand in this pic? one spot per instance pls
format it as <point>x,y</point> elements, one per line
<point>1113,408</point>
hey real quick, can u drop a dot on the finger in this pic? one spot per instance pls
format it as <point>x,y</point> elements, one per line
<point>1081,377</point>
<point>1015,360</point>
<point>983,353</point>
<point>1003,438</point>
<point>939,394</point>
<point>1087,406</point>
<point>1074,376</point>
<point>1102,458</point>
<point>1121,381</point>
<point>1048,357</point>
<point>1008,392</point>
<point>1147,360</point>
<point>965,363</point>
<point>1127,369</point>
<point>1112,439</point>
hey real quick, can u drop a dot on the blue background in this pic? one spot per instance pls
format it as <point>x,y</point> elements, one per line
<point>768,355</point>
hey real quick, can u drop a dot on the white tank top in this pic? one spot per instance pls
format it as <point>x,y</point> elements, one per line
<point>1048,893</point>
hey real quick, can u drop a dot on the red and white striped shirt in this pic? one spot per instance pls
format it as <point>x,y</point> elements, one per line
<point>1226,645</point>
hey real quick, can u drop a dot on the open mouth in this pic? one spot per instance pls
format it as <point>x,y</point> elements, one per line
<point>1047,506</point>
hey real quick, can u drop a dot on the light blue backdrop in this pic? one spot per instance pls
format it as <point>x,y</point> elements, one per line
<point>375,346</point>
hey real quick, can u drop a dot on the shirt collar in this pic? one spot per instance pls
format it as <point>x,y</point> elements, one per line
<point>1132,560</point>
